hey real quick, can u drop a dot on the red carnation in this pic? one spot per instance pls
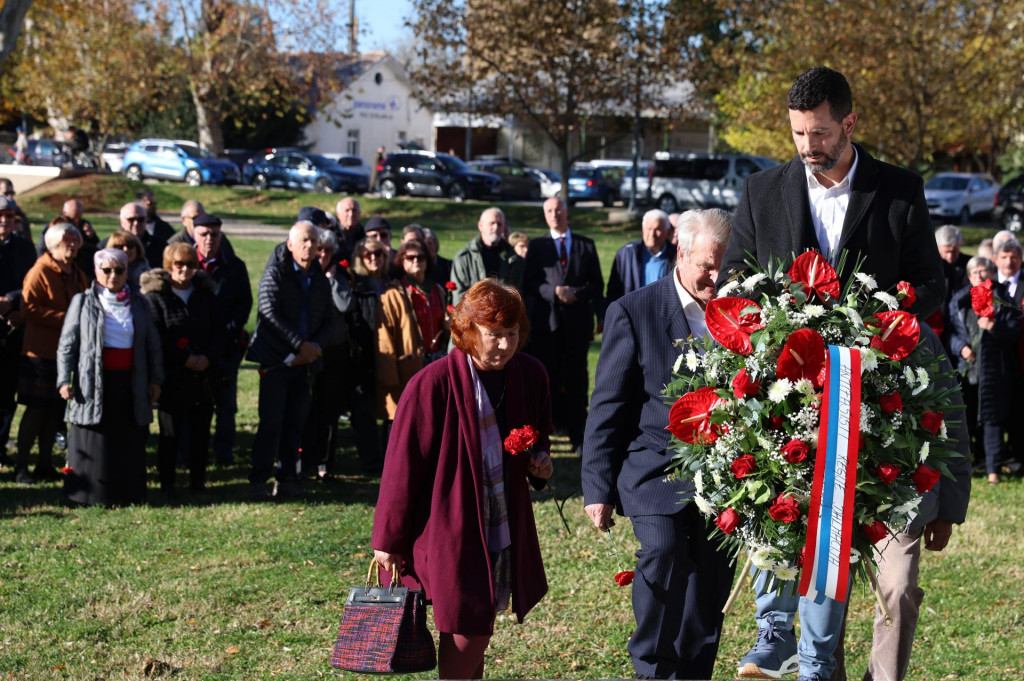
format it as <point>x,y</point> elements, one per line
<point>182,343</point>
<point>784,509</point>
<point>813,272</point>
<point>890,403</point>
<point>909,295</point>
<point>932,421</point>
<point>521,439</point>
<point>925,478</point>
<point>743,385</point>
<point>624,578</point>
<point>795,451</point>
<point>450,285</point>
<point>450,308</point>
<point>744,466</point>
<point>728,520</point>
<point>876,531</point>
<point>981,299</point>
<point>887,472</point>
<point>343,263</point>
<point>66,470</point>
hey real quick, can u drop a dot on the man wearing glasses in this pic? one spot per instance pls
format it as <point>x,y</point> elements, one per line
<point>22,226</point>
<point>133,218</point>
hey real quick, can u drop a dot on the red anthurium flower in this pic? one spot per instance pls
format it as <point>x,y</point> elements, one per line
<point>182,343</point>
<point>743,466</point>
<point>728,520</point>
<point>925,478</point>
<point>521,439</point>
<point>803,356</point>
<point>899,335</point>
<point>932,421</point>
<point>876,531</point>
<point>981,299</point>
<point>623,578</point>
<point>343,263</point>
<point>450,285</point>
<point>743,385</point>
<point>909,296</point>
<point>887,472</point>
<point>813,272</point>
<point>729,327</point>
<point>891,403</point>
<point>795,451</point>
<point>784,509</point>
<point>689,419</point>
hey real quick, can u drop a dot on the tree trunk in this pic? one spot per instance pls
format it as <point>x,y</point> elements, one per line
<point>208,120</point>
<point>12,17</point>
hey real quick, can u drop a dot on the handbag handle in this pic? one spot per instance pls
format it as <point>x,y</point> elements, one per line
<point>373,578</point>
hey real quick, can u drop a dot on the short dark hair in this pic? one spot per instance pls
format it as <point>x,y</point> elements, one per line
<point>814,87</point>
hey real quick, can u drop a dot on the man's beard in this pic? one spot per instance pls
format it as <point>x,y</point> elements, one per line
<point>832,156</point>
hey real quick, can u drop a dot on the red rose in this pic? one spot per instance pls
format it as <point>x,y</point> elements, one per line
<point>450,285</point>
<point>876,531</point>
<point>623,578</point>
<point>890,403</point>
<point>66,470</point>
<point>784,509</point>
<point>728,520</point>
<point>795,451</point>
<point>776,422</point>
<point>887,472</point>
<point>925,478</point>
<point>521,439</point>
<point>343,263</point>
<point>932,421</point>
<point>744,466</point>
<point>909,296</point>
<point>450,308</point>
<point>182,343</point>
<point>981,299</point>
<point>743,385</point>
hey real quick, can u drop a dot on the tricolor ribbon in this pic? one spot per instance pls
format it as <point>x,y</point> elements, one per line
<point>826,565</point>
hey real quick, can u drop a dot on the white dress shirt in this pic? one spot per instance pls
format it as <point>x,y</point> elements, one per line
<point>691,308</point>
<point>828,208</point>
<point>1011,283</point>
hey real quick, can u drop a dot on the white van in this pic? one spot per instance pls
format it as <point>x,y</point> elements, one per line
<point>683,180</point>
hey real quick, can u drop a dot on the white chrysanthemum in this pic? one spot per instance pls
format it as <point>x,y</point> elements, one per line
<point>814,311</point>
<point>886,299</point>
<point>716,475</point>
<point>942,431</point>
<point>925,451</point>
<point>678,364</point>
<point>711,371</point>
<point>779,390</point>
<point>867,281</point>
<point>728,288</point>
<point>868,360</point>
<point>692,361</point>
<point>703,506</point>
<point>909,376</point>
<point>922,380</point>
<point>854,317</point>
<point>805,387</point>
<point>753,280</point>
<point>762,558</point>
<point>786,572</point>
<point>698,482</point>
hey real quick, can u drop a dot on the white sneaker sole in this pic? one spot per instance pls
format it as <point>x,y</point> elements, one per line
<point>752,671</point>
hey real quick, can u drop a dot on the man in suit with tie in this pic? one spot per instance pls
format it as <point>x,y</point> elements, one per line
<point>682,580</point>
<point>832,197</point>
<point>645,260</point>
<point>562,284</point>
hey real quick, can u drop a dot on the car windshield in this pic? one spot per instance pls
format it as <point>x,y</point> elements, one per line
<point>452,162</point>
<point>324,162</point>
<point>947,183</point>
<point>587,173</point>
<point>195,152</point>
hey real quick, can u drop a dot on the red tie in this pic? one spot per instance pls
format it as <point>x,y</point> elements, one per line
<point>563,257</point>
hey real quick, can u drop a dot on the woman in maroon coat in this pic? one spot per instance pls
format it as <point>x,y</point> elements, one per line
<point>454,512</point>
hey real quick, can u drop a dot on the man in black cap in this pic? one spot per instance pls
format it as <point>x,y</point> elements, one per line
<point>379,229</point>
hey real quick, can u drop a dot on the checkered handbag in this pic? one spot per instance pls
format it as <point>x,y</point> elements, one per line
<point>384,630</point>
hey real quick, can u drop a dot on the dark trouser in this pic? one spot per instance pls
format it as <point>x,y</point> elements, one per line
<point>363,419</point>
<point>39,422</point>
<point>227,406</point>
<point>970,393</point>
<point>10,352</point>
<point>564,355</point>
<point>992,433</point>
<point>320,436</point>
<point>187,428</point>
<point>682,581</point>
<point>283,408</point>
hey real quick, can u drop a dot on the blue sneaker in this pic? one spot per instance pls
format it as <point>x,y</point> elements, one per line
<point>773,655</point>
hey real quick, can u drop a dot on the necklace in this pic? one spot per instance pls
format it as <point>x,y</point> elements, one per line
<point>497,404</point>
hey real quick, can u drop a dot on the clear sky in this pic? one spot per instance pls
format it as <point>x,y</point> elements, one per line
<point>381,22</point>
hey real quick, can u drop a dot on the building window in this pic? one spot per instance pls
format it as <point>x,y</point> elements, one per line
<point>401,136</point>
<point>352,144</point>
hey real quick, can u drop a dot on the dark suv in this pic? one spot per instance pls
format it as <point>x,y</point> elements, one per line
<point>1009,209</point>
<point>295,169</point>
<point>425,173</point>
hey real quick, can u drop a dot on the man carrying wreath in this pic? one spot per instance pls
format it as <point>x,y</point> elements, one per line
<point>832,197</point>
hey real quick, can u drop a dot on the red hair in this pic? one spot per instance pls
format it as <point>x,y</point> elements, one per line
<point>491,304</point>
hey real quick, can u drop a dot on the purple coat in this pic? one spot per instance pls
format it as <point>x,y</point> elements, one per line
<point>429,508</point>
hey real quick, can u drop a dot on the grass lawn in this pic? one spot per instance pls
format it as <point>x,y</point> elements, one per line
<point>220,588</point>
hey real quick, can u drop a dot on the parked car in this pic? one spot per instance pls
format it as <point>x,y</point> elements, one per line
<point>516,183</point>
<point>178,160</point>
<point>351,162</point>
<point>113,155</point>
<point>1009,208</point>
<point>643,184</point>
<point>426,173</point>
<point>550,181</point>
<point>960,196</point>
<point>42,152</point>
<point>594,183</point>
<point>682,180</point>
<point>295,169</point>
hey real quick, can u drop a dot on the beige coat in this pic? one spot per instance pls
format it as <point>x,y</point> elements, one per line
<point>399,348</point>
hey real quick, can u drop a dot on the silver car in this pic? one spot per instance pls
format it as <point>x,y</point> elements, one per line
<point>960,196</point>
<point>682,180</point>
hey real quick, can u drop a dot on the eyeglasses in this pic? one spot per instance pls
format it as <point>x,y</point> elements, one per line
<point>115,270</point>
<point>180,264</point>
<point>414,258</point>
<point>373,254</point>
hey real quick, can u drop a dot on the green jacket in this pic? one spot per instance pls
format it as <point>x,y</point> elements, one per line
<point>468,267</point>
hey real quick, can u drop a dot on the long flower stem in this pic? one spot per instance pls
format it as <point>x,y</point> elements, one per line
<point>739,585</point>
<point>878,593</point>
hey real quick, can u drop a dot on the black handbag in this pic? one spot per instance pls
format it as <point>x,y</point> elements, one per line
<point>384,629</point>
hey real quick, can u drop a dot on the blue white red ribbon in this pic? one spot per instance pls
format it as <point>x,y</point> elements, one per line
<point>826,564</point>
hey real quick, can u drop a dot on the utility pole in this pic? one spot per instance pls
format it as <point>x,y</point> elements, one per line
<point>353,29</point>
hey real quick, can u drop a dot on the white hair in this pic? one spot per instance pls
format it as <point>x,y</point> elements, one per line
<point>714,224</point>
<point>55,234</point>
<point>106,255</point>
<point>300,226</point>
<point>656,214</point>
<point>948,235</point>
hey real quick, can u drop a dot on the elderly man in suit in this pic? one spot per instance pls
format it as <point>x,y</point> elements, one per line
<point>562,284</point>
<point>832,197</point>
<point>682,580</point>
<point>645,260</point>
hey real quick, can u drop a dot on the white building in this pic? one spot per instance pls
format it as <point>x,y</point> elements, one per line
<point>377,109</point>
